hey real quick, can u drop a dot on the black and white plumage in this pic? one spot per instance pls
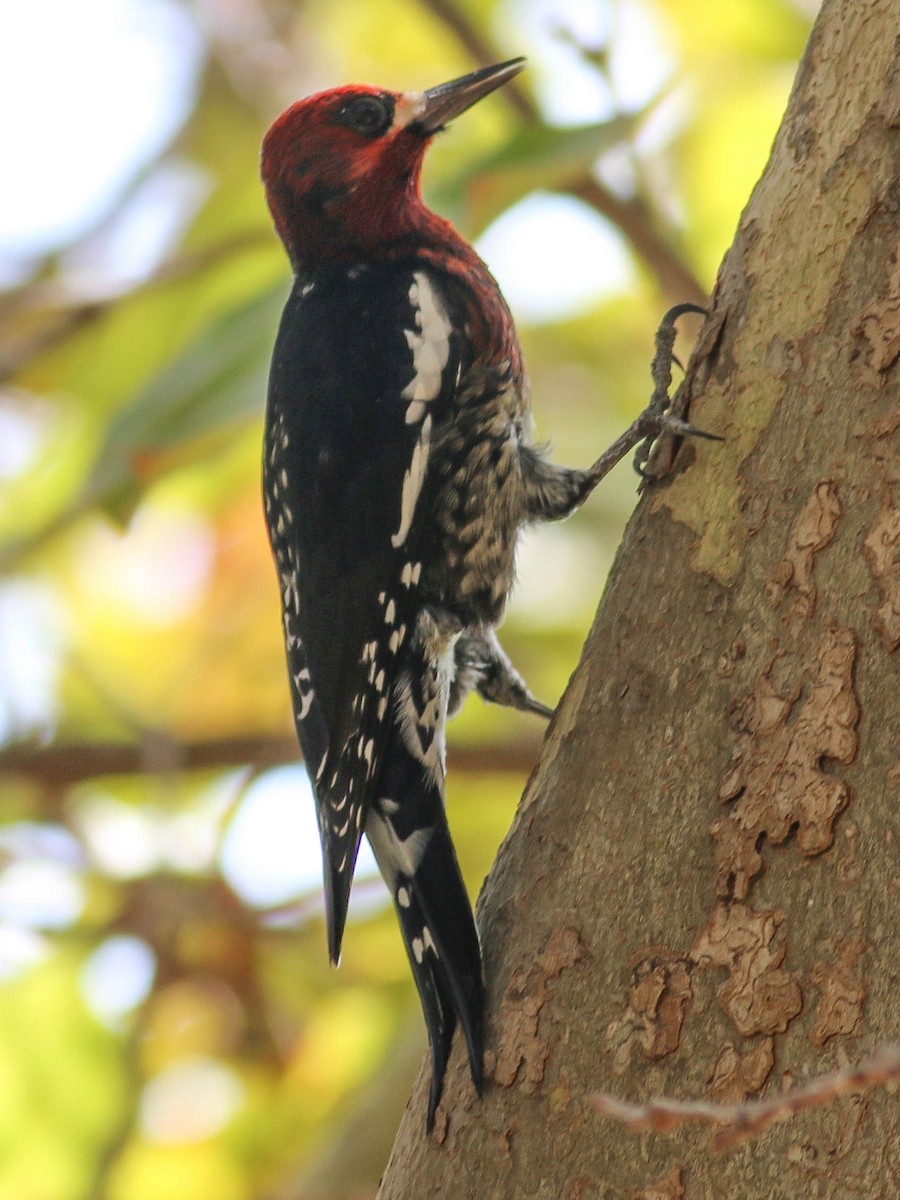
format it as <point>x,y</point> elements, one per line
<point>399,468</point>
<point>393,505</point>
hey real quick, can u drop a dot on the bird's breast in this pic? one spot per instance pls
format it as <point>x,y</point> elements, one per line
<point>471,541</point>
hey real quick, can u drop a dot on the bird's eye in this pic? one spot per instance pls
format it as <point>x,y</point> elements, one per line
<point>371,115</point>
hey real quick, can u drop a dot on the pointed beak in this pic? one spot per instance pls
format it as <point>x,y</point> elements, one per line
<point>441,104</point>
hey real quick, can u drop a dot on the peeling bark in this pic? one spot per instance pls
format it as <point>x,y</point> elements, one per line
<point>699,896</point>
<point>736,1076</point>
<point>883,552</point>
<point>779,780</point>
<point>843,993</point>
<point>657,1002</point>
<point>523,1052</point>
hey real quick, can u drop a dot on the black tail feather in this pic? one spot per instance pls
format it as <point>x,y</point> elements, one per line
<point>412,844</point>
<point>434,994</point>
<point>453,949</point>
<point>442,945</point>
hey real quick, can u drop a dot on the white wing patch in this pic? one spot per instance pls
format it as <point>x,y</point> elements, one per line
<point>430,345</point>
<point>413,478</point>
<point>429,342</point>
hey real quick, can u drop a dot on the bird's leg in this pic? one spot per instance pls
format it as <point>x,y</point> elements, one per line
<point>482,663</point>
<point>659,414</point>
<point>501,683</point>
<point>657,418</point>
<point>553,492</point>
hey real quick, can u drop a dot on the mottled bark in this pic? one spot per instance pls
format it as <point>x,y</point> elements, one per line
<point>700,894</point>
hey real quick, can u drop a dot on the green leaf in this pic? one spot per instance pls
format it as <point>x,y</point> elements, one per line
<point>218,382</point>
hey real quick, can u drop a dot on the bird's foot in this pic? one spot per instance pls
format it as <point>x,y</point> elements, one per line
<point>661,419</point>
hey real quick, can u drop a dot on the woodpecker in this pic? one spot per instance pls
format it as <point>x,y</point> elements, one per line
<point>399,468</point>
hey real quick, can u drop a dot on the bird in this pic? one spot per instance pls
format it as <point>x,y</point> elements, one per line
<point>399,467</point>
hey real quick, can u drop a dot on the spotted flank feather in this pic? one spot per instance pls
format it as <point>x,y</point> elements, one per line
<point>345,786</point>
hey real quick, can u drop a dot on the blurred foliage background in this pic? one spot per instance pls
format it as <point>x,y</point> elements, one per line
<point>169,1025</point>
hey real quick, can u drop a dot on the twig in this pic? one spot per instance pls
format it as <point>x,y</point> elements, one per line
<point>674,275</point>
<point>631,216</point>
<point>482,51</point>
<point>743,1121</point>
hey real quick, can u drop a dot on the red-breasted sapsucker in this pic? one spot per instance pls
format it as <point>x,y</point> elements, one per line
<point>399,467</point>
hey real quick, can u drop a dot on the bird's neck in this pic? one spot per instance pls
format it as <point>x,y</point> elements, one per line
<point>323,232</point>
<point>327,227</point>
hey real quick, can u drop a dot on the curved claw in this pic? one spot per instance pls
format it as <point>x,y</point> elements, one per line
<point>541,710</point>
<point>667,423</point>
<point>679,310</point>
<point>642,457</point>
<point>661,370</point>
<point>672,424</point>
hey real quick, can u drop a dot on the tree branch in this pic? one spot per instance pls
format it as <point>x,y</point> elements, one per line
<point>631,216</point>
<point>62,765</point>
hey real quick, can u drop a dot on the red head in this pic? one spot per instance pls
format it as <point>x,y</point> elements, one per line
<point>341,169</point>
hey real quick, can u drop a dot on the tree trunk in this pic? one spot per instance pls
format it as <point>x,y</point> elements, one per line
<point>699,895</point>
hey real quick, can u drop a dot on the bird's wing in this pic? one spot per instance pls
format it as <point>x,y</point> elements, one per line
<point>362,376</point>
